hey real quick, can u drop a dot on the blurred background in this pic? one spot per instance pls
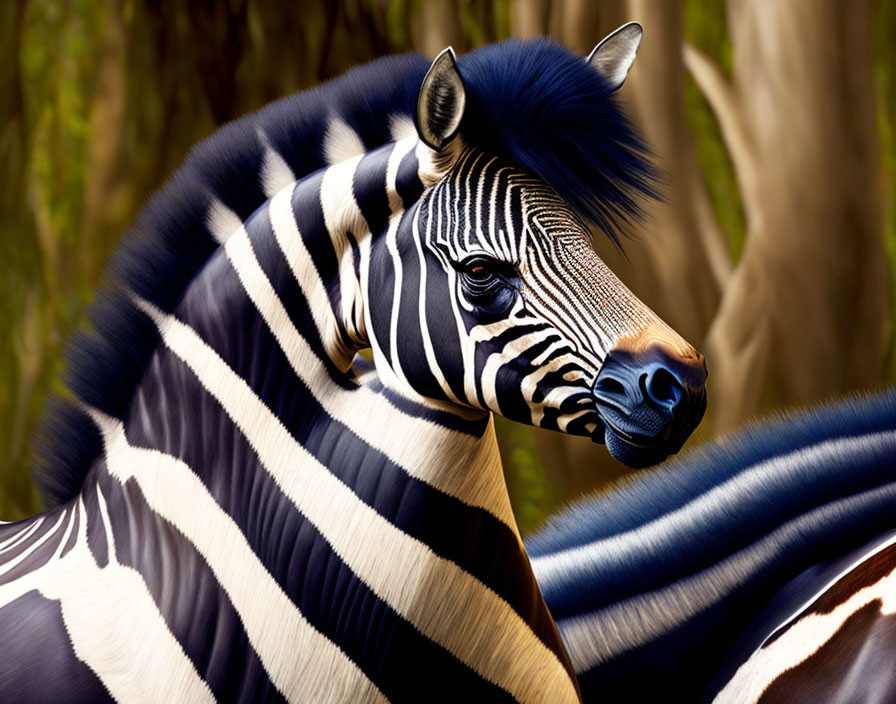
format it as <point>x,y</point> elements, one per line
<point>774,250</point>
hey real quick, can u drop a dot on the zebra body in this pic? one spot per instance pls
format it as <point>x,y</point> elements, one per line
<point>244,509</point>
<point>836,644</point>
<point>756,569</point>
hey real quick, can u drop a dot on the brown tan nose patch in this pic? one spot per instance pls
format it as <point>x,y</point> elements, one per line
<point>660,335</point>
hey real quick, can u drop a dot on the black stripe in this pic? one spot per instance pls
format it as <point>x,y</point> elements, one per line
<point>272,262</point>
<point>309,216</point>
<point>407,180</point>
<point>437,308</point>
<point>196,609</point>
<point>356,254</point>
<point>39,557</point>
<point>39,664</point>
<point>369,187</point>
<point>392,653</point>
<point>410,351</point>
<point>73,536</point>
<point>475,427</point>
<point>96,532</point>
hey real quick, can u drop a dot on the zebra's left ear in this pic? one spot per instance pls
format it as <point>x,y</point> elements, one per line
<point>440,105</point>
<point>613,57</point>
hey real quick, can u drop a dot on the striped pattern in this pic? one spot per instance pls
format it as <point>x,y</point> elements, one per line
<point>688,565</point>
<point>840,645</point>
<point>262,515</point>
<point>537,359</point>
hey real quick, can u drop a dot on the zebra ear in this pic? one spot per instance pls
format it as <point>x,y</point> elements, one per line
<point>613,57</point>
<point>440,105</point>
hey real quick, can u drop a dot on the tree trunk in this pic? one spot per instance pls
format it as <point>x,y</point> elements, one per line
<point>805,315</point>
<point>678,257</point>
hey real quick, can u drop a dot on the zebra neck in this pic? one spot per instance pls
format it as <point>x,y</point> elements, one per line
<point>281,305</point>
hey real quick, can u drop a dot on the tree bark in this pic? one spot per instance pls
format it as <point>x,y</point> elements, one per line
<point>805,315</point>
<point>671,252</point>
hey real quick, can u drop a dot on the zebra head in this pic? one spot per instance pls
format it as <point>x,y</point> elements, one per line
<point>503,304</point>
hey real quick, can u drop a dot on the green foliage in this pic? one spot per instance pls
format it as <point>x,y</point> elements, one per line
<point>706,27</point>
<point>532,493</point>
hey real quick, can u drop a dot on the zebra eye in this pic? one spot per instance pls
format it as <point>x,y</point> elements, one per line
<point>480,274</point>
<point>478,271</point>
<point>489,284</point>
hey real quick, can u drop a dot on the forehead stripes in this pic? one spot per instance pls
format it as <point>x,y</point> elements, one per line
<point>480,208</point>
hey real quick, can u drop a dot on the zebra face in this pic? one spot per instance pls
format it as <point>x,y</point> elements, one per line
<point>520,317</point>
<point>504,306</point>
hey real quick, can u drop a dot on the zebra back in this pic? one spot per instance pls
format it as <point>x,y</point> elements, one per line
<point>669,571</point>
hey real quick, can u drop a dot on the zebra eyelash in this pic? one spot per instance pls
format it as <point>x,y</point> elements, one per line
<point>481,268</point>
<point>481,276</point>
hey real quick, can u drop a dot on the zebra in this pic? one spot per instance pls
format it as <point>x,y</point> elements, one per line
<point>240,506</point>
<point>758,568</point>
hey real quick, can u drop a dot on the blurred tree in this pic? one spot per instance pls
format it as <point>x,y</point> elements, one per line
<point>806,312</point>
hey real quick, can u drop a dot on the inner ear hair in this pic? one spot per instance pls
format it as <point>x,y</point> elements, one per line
<point>613,56</point>
<point>441,102</point>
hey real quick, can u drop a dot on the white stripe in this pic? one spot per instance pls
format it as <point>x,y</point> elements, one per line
<point>22,536</point>
<point>496,361</point>
<point>811,600</point>
<point>341,215</point>
<point>601,635</point>
<point>576,563</point>
<point>286,232</point>
<point>7,566</point>
<point>442,601</point>
<point>341,142</point>
<point>72,522</point>
<point>114,626</point>
<point>221,221</point>
<point>302,663</point>
<point>275,172</point>
<point>402,127</point>
<point>802,641</point>
<point>398,270</point>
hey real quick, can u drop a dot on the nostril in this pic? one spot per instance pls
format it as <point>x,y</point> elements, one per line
<point>663,388</point>
<point>610,386</point>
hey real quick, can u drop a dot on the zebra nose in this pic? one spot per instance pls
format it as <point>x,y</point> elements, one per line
<point>651,399</point>
<point>663,387</point>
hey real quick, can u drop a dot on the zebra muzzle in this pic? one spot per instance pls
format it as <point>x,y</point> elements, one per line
<point>649,402</point>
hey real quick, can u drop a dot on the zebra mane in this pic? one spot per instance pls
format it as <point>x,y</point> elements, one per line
<point>533,101</point>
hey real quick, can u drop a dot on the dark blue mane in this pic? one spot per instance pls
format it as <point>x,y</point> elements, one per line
<point>532,101</point>
<point>552,114</point>
<point>663,489</point>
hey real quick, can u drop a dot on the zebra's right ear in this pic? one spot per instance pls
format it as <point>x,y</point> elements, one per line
<point>440,105</point>
<point>613,57</point>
